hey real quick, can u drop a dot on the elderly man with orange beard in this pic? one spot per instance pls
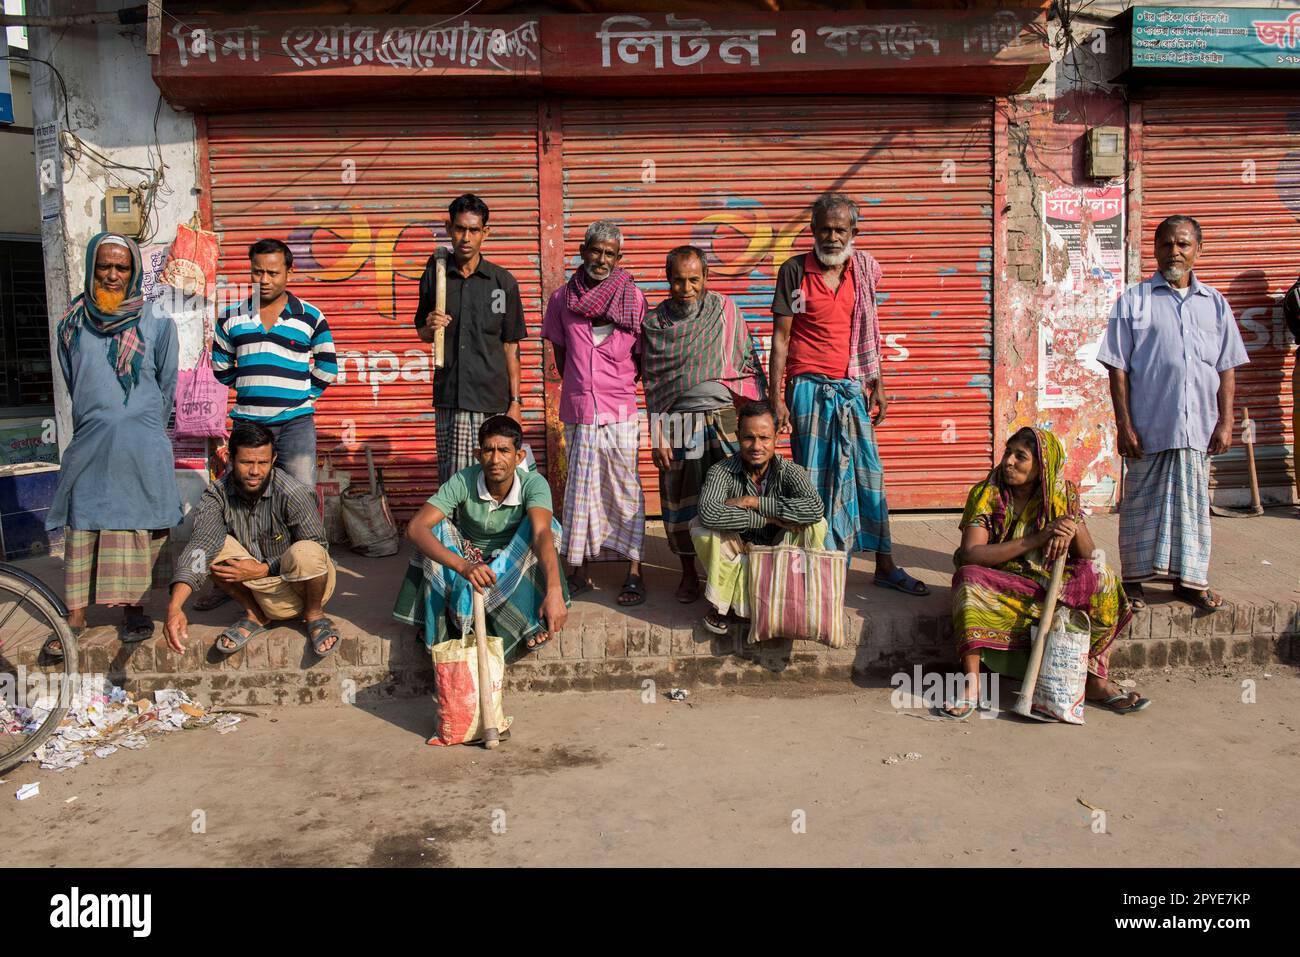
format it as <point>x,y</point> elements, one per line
<point>117,497</point>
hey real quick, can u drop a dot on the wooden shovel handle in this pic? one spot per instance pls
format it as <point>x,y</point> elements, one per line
<point>440,304</point>
<point>1026,701</point>
<point>490,736</point>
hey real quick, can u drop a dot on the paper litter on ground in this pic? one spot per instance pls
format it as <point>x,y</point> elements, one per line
<point>100,720</point>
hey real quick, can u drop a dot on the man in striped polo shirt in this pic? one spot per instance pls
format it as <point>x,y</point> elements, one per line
<point>278,360</point>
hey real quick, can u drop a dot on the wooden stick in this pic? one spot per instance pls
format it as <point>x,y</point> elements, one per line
<point>490,736</point>
<point>1026,701</point>
<point>440,304</point>
<point>1248,439</point>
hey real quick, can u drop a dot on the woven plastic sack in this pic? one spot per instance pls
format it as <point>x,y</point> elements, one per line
<point>1063,677</point>
<point>200,401</point>
<point>797,593</point>
<point>331,484</point>
<point>455,665</point>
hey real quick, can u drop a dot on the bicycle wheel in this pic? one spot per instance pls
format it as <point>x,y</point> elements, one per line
<point>35,688</point>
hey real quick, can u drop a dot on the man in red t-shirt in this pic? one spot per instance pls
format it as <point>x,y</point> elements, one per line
<point>825,376</point>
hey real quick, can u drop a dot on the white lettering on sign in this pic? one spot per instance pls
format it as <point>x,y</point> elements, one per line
<point>637,38</point>
<point>380,367</point>
<point>895,39</point>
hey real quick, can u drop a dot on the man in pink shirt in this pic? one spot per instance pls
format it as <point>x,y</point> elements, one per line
<point>594,323</point>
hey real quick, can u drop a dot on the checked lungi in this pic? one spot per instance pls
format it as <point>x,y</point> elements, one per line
<point>604,506</point>
<point>1164,518</point>
<point>706,438</point>
<point>439,602</point>
<point>836,442</point>
<point>111,566</point>
<point>457,438</point>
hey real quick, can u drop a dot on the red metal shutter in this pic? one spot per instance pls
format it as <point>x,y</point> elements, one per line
<point>361,197</point>
<point>1232,161</point>
<point>737,177</point>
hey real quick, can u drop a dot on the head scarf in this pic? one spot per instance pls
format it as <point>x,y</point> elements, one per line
<point>1060,497</point>
<point>125,348</point>
<point>679,351</point>
<point>616,299</point>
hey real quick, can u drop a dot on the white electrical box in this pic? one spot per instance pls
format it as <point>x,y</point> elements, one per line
<point>1105,152</point>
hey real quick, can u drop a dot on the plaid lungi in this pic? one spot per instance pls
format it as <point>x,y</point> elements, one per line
<point>703,439</point>
<point>836,442</point>
<point>112,566</point>
<point>440,602</point>
<point>1164,518</point>
<point>457,438</point>
<point>604,506</point>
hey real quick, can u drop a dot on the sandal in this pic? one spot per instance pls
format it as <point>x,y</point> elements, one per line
<point>320,631</point>
<point>579,585</point>
<point>1204,599</point>
<point>688,592</point>
<point>238,634</point>
<point>538,639</point>
<point>1135,702</point>
<point>1137,597</point>
<point>135,628</point>
<point>634,587</point>
<point>716,623</point>
<point>214,599</point>
<point>969,704</point>
<point>900,580</point>
<point>53,647</point>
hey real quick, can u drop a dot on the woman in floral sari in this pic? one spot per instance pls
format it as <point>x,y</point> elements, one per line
<point>1016,523</point>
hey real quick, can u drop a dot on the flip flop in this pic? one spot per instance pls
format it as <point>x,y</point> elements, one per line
<point>900,580</point>
<point>715,623</point>
<point>320,630</point>
<point>48,650</point>
<point>135,629</point>
<point>237,637</point>
<point>579,585</point>
<point>634,587</point>
<point>537,640</point>
<point>970,705</point>
<point>1137,597</point>
<point>1141,704</point>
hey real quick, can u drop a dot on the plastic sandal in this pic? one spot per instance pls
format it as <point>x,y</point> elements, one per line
<point>633,586</point>
<point>237,636</point>
<point>900,580</point>
<point>320,631</point>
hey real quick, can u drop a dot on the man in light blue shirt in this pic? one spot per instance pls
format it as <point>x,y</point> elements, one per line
<point>1172,347</point>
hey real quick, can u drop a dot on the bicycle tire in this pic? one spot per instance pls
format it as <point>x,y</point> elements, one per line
<point>28,595</point>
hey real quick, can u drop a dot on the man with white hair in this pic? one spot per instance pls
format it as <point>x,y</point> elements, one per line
<point>825,375</point>
<point>594,324</point>
<point>117,497</point>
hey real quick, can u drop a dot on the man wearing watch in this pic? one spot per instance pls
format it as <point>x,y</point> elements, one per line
<point>484,320</point>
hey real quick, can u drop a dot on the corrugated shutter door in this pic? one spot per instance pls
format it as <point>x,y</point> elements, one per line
<point>1232,161</point>
<point>738,178</point>
<point>361,197</point>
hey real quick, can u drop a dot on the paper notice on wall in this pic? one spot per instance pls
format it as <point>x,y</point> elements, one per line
<point>1083,272</point>
<point>154,258</point>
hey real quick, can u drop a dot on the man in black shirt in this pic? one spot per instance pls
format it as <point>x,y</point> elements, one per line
<point>485,323</point>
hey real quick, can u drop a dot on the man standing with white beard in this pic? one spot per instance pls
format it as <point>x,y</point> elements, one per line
<point>825,383</point>
<point>1172,348</point>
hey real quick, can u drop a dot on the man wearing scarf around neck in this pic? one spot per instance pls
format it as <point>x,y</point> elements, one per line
<point>826,348</point>
<point>698,359</point>
<point>117,495</point>
<point>594,323</point>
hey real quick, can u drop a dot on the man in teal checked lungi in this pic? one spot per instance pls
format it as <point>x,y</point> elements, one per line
<point>826,384</point>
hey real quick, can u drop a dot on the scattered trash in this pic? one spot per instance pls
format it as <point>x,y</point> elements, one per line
<point>101,719</point>
<point>71,799</point>
<point>1266,562</point>
<point>677,694</point>
<point>226,723</point>
<point>28,791</point>
<point>1090,807</point>
<point>899,758</point>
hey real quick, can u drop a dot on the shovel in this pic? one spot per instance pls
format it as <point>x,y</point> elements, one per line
<point>1248,440</point>
<point>491,738</point>
<point>1025,703</point>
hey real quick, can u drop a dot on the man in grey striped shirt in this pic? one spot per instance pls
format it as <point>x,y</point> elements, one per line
<point>259,534</point>
<point>756,497</point>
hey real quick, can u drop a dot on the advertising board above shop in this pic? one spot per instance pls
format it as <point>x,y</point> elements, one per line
<point>213,63</point>
<point>1213,38</point>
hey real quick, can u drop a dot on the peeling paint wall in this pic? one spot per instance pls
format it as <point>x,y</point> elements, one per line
<point>1046,150</point>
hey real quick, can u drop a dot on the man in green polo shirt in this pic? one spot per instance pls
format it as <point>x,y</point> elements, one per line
<point>490,527</point>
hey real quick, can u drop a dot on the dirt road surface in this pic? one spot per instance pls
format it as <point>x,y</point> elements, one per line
<point>783,775</point>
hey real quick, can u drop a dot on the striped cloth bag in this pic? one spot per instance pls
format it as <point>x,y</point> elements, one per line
<point>797,592</point>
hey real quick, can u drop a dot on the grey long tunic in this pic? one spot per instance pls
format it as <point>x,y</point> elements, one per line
<point>117,471</point>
